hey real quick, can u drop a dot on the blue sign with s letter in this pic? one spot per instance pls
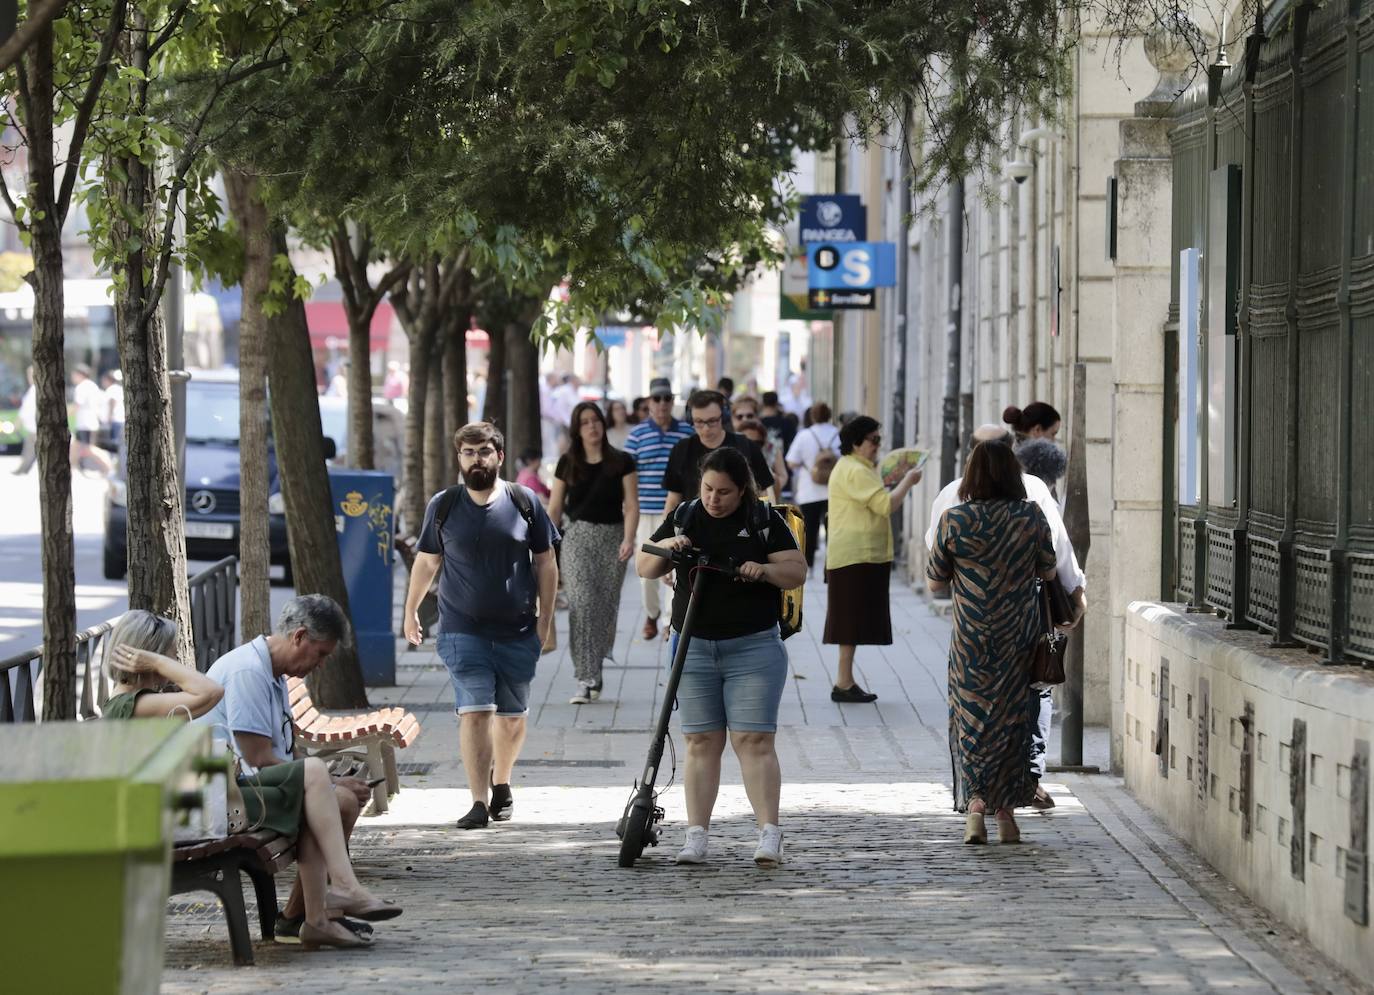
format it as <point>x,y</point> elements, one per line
<point>851,265</point>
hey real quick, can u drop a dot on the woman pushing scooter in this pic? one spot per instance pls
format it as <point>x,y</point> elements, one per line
<point>735,665</point>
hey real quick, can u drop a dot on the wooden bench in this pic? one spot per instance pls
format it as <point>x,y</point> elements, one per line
<point>214,866</point>
<point>372,737</point>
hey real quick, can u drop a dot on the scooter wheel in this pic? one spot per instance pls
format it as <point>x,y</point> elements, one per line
<point>635,834</point>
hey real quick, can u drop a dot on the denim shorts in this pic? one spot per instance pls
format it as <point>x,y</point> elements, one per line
<point>490,675</point>
<point>733,683</point>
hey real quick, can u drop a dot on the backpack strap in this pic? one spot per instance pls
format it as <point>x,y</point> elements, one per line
<point>521,497</point>
<point>761,521</point>
<point>683,514</point>
<point>448,497</point>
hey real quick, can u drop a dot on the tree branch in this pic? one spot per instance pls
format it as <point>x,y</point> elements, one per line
<point>41,14</point>
<point>169,29</point>
<point>82,121</point>
<point>9,202</point>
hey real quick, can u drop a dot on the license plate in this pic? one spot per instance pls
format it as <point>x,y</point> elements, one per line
<point>209,530</point>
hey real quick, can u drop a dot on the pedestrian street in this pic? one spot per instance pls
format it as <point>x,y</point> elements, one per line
<point>878,894</point>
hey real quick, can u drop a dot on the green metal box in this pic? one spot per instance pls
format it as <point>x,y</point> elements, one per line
<point>86,830</point>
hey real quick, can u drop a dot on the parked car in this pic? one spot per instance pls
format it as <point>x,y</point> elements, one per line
<point>212,473</point>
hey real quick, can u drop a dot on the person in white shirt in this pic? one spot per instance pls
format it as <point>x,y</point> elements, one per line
<point>113,414</point>
<point>812,494</point>
<point>28,421</point>
<point>88,400</point>
<point>1066,564</point>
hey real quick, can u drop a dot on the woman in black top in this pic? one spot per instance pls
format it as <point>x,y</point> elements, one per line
<point>598,488</point>
<point>736,665</point>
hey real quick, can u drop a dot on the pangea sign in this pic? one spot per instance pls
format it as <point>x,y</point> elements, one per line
<point>833,218</point>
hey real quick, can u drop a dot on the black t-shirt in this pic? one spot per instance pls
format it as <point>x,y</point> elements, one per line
<point>599,494</point>
<point>729,608</point>
<point>684,465</point>
<point>785,426</point>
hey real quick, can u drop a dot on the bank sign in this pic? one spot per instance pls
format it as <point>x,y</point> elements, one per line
<point>833,218</point>
<point>845,275</point>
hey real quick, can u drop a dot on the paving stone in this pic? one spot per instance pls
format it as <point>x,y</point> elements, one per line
<point>878,893</point>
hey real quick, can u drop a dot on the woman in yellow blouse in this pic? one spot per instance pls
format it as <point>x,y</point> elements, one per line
<point>858,554</point>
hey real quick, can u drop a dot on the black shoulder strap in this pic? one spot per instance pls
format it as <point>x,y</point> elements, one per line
<point>682,515</point>
<point>448,497</point>
<point>521,497</point>
<point>760,521</point>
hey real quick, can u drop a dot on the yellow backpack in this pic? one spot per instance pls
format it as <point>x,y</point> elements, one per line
<point>789,601</point>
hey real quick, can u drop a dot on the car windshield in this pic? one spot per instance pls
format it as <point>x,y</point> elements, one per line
<point>212,413</point>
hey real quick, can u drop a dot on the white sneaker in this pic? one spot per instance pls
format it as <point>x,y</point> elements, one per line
<point>694,850</point>
<point>584,695</point>
<point>769,853</point>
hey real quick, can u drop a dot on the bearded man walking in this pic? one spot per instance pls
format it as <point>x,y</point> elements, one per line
<point>494,544</point>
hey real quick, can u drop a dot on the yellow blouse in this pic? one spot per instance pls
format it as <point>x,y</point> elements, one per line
<point>860,523</point>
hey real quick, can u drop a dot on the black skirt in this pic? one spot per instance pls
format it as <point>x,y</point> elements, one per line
<point>857,612</point>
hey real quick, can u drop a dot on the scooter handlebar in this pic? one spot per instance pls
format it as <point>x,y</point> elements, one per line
<point>690,557</point>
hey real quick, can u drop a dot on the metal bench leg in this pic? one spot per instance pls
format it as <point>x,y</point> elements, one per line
<point>393,780</point>
<point>219,875</point>
<point>230,895</point>
<point>376,768</point>
<point>266,891</point>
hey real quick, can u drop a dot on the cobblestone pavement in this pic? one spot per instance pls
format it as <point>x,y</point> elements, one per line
<point>878,893</point>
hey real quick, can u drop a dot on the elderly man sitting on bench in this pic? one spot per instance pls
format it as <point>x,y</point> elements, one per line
<point>256,707</point>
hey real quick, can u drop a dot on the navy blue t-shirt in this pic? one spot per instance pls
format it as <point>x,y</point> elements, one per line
<point>487,586</point>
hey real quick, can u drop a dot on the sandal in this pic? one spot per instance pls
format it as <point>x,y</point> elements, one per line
<point>312,938</point>
<point>370,910</point>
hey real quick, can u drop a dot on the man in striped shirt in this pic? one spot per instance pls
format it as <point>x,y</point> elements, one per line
<point>650,443</point>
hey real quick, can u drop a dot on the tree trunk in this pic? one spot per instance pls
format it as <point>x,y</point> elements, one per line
<point>416,497</point>
<point>436,463</point>
<point>494,410</point>
<point>50,382</point>
<point>156,541</point>
<point>361,451</point>
<point>522,359</point>
<point>455,385</point>
<point>305,489</point>
<point>255,549</point>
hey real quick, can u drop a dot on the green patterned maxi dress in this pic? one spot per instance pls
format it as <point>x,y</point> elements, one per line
<point>991,553</point>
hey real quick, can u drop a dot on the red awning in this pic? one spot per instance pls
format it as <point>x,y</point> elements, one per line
<point>328,320</point>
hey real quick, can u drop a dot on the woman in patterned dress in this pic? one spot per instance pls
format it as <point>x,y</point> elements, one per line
<point>596,485</point>
<point>990,550</point>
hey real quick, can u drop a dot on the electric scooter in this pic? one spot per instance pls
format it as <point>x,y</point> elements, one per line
<point>639,825</point>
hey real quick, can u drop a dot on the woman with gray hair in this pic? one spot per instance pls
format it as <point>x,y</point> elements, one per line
<point>1046,459</point>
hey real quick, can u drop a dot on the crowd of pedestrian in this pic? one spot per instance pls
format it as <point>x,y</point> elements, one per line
<point>637,474</point>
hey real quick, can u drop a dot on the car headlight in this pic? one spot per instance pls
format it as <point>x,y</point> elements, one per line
<point>276,505</point>
<point>119,492</point>
<point>6,427</point>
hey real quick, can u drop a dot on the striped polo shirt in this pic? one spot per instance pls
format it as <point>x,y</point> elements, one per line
<point>650,446</point>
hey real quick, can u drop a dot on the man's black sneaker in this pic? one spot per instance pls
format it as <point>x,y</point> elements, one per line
<point>476,817</point>
<point>852,695</point>
<point>502,803</point>
<point>288,928</point>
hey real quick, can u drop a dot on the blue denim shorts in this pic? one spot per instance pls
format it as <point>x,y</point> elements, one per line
<point>490,675</point>
<point>733,683</point>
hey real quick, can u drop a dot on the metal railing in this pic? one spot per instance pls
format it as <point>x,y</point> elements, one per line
<point>214,630</point>
<point>214,611</point>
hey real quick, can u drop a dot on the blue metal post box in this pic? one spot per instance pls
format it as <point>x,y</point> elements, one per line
<point>365,518</point>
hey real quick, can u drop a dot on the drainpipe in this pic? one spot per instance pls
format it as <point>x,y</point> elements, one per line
<point>949,442</point>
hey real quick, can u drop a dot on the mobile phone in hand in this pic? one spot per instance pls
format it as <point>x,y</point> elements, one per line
<point>375,781</point>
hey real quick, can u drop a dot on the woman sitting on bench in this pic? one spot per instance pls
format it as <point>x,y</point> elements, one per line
<point>292,799</point>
